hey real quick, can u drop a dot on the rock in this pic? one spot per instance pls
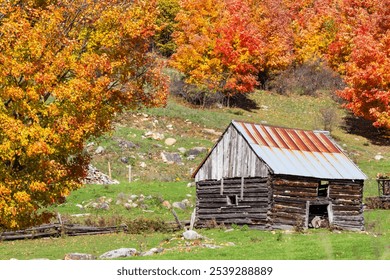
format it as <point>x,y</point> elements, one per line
<point>154,135</point>
<point>170,141</point>
<point>124,144</point>
<point>211,246</point>
<point>379,157</point>
<point>79,256</point>
<point>166,204</point>
<point>191,235</point>
<point>196,151</point>
<point>104,206</point>
<point>94,176</point>
<point>99,150</point>
<point>151,252</point>
<point>192,184</point>
<point>170,127</point>
<point>142,164</point>
<point>182,150</point>
<point>171,158</point>
<point>191,157</point>
<point>124,160</point>
<point>80,206</point>
<point>127,206</point>
<point>179,205</point>
<point>186,202</point>
<point>119,253</point>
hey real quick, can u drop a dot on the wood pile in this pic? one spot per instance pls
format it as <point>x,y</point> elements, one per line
<point>57,229</point>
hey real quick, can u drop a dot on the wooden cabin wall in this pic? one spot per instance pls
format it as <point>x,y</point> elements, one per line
<point>232,157</point>
<point>347,197</point>
<point>211,205</point>
<point>290,196</point>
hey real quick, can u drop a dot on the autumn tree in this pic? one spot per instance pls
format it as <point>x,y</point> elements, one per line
<point>66,67</point>
<point>218,46</point>
<point>361,53</point>
<point>163,39</point>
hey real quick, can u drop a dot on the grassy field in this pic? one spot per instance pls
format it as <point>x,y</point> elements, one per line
<point>159,181</point>
<point>238,244</point>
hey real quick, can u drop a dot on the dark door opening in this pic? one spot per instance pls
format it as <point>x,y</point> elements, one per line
<point>318,216</point>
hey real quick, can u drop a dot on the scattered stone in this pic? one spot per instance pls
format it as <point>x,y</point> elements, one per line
<point>99,150</point>
<point>151,252</point>
<point>179,205</point>
<point>192,184</point>
<point>191,235</point>
<point>182,150</point>
<point>171,158</point>
<point>127,206</point>
<point>119,253</point>
<point>79,256</point>
<point>80,206</point>
<point>94,176</point>
<point>196,151</point>
<point>124,160</point>
<point>142,164</point>
<point>211,246</point>
<point>263,107</point>
<point>379,157</point>
<point>124,144</point>
<point>154,135</point>
<point>191,157</point>
<point>170,141</point>
<point>170,127</point>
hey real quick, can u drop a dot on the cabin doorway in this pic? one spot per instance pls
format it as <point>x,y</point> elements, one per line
<point>318,214</point>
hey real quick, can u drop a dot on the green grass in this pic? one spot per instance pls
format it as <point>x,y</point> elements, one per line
<point>170,183</point>
<point>170,191</point>
<point>239,244</point>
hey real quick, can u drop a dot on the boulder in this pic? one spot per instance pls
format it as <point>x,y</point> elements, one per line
<point>171,158</point>
<point>196,151</point>
<point>151,252</point>
<point>179,205</point>
<point>191,235</point>
<point>79,256</point>
<point>119,253</point>
<point>99,150</point>
<point>378,157</point>
<point>170,141</point>
<point>124,144</point>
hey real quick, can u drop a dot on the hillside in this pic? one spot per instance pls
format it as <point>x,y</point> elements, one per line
<point>139,137</point>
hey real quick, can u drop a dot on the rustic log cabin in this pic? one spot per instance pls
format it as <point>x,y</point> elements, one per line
<point>270,177</point>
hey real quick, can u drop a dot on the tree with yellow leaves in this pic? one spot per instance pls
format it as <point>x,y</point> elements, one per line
<point>66,66</point>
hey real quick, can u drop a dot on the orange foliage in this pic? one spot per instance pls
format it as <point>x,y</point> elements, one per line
<point>65,69</point>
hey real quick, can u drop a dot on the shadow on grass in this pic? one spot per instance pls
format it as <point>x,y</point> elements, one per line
<point>363,127</point>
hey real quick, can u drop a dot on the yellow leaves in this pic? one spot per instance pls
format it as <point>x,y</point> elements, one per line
<point>22,197</point>
<point>38,187</point>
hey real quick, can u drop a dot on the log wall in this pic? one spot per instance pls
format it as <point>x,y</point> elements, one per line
<point>347,197</point>
<point>290,196</point>
<point>212,206</point>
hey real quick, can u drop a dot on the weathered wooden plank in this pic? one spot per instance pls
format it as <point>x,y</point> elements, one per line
<point>234,216</point>
<point>281,182</point>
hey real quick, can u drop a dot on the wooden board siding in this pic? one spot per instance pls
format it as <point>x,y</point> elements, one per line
<point>292,197</point>
<point>289,201</point>
<point>347,206</point>
<point>251,210</point>
<point>232,157</point>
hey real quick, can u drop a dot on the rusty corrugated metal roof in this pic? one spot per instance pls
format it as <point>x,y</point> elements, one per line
<point>299,152</point>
